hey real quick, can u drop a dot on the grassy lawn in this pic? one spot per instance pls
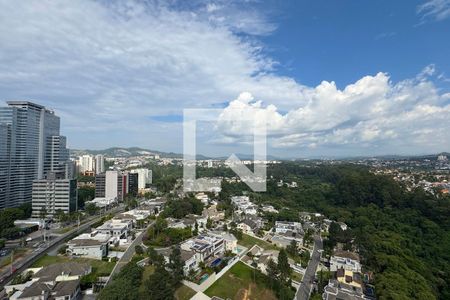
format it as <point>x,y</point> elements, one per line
<point>99,267</point>
<point>184,293</point>
<point>296,276</point>
<point>248,241</point>
<point>238,283</point>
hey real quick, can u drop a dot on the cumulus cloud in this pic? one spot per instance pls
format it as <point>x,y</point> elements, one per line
<point>372,112</point>
<point>107,67</point>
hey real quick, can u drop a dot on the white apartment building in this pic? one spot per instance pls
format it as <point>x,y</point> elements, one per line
<point>86,163</point>
<point>53,195</point>
<point>99,164</point>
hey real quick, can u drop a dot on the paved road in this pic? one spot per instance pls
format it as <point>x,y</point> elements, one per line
<point>26,262</point>
<point>304,290</point>
<point>128,254</point>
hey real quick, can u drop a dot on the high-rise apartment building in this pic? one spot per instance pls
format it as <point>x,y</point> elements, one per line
<point>86,163</point>
<point>99,164</point>
<point>30,148</point>
<point>51,195</point>
<point>144,177</point>
<point>111,184</point>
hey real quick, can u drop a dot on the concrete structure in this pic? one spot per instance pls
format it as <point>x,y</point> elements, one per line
<point>57,281</point>
<point>205,246</point>
<point>244,205</point>
<point>86,163</point>
<point>229,239</point>
<point>111,184</point>
<point>345,260</point>
<point>89,248</point>
<point>54,195</point>
<point>283,227</point>
<point>27,131</point>
<point>144,177</point>
<point>116,228</point>
<point>99,164</point>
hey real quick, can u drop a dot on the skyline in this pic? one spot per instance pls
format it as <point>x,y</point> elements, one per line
<point>362,79</point>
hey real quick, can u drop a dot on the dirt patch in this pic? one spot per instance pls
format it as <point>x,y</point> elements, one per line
<point>242,294</point>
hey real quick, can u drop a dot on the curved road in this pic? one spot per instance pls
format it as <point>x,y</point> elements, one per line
<point>304,291</point>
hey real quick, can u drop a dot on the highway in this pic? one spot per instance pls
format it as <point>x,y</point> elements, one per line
<point>305,289</point>
<point>25,263</point>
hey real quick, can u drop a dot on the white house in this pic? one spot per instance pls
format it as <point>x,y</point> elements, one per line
<point>345,260</point>
<point>89,248</point>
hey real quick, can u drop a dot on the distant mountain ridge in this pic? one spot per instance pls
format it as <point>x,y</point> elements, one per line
<point>136,151</point>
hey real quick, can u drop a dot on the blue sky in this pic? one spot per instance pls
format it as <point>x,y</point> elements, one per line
<point>332,78</point>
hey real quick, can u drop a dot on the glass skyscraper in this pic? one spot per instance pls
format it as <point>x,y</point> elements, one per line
<point>30,148</point>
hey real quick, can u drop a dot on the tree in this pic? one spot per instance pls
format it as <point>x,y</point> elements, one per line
<point>209,223</point>
<point>272,272</point>
<point>195,231</point>
<point>59,215</point>
<point>159,286</point>
<point>283,265</point>
<point>176,265</point>
<point>155,258</point>
<point>292,248</point>
<point>91,209</point>
<point>138,249</point>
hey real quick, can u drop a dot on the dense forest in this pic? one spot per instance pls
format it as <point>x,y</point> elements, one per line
<point>403,237</point>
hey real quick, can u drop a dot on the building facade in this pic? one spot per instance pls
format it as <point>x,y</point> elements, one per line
<point>27,132</point>
<point>52,195</point>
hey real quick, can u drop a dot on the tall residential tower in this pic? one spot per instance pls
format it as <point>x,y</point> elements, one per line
<point>30,148</point>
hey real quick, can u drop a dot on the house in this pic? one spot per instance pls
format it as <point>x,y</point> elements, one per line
<point>89,248</point>
<point>248,226</point>
<point>269,209</point>
<point>229,239</point>
<point>346,285</point>
<point>212,213</point>
<point>202,197</point>
<point>284,226</point>
<point>188,257</point>
<point>205,246</point>
<point>345,260</point>
<point>244,205</point>
<point>342,225</point>
<point>58,281</point>
<point>102,237</point>
<point>116,227</point>
<point>285,239</point>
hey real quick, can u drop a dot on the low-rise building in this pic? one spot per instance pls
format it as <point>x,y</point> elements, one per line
<point>116,227</point>
<point>284,226</point>
<point>88,248</point>
<point>205,246</point>
<point>345,260</point>
<point>229,239</point>
<point>57,281</point>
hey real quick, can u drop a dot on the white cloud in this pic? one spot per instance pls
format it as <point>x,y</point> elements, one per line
<point>435,9</point>
<point>372,112</point>
<point>106,67</point>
